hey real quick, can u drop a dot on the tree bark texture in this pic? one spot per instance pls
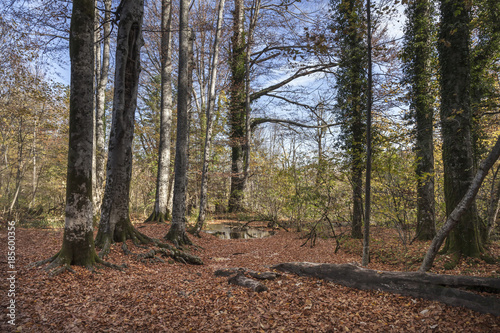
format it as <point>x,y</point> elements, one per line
<point>211,106</point>
<point>161,211</point>
<point>448,289</point>
<point>351,98</point>
<point>455,217</point>
<point>100,110</point>
<point>115,225</point>
<point>366,234</point>
<point>237,111</point>
<point>418,51</point>
<point>78,243</point>
<point>456,121</point>
<point>177,233</point>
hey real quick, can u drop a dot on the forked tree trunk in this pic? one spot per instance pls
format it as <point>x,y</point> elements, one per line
<point>115,224</point>
<point>161,211</point>
<point>177,233</point>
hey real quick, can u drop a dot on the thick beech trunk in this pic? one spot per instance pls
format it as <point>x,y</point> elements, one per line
<point>449,289</point>
<point>161,211</point>
<point>78,243</point>
<point>456,122</point>
<point>456,216</point>
<point>115,225</point>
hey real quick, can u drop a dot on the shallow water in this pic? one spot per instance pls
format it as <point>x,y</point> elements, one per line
<point>236,231</point>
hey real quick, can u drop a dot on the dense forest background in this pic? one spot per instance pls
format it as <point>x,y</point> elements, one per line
<point>293,154</point>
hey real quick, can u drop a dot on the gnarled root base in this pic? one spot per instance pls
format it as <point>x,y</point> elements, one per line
<point>158,218</point>
<point>60,263</point>
<point>178,238</point>
<point>104,241</point>
<point>166,250</point>
<point>139,239</point>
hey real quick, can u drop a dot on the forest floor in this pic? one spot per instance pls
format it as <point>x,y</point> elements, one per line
<point>173,297</point>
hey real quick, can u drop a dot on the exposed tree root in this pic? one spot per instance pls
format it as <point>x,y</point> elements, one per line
<point>158,217</point>
<point>60,263</point>
<point>140,239</point>
<point>178,238</point>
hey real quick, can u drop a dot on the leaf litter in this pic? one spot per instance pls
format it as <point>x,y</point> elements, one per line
<point>172,297</point>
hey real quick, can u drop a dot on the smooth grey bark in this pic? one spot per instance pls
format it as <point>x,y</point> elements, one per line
<point>209,117</point>
<point>455,217</point>
<point>161,211</point>
<point>78,243</point>
<point>115,225</point>
<point>177,233</point>
<point>100,115</point>
<point>448,289</point>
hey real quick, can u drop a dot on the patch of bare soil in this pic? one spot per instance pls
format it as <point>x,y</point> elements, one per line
<point>172,297</point>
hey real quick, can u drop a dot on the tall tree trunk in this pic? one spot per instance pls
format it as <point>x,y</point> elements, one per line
<point>254,15</point>
<point>418,51</point>
<point>177,233</point>
<point>237,109</point>
<point>211,105</point>
<point>100,111</point>
<point>161,211</point>
<point>34,180</point>
<point>20,168</point>
<point>115,224</point>
<point>366,235</point>
<point>351,97</point>
<point>78,243</point>
<point>456,125</point>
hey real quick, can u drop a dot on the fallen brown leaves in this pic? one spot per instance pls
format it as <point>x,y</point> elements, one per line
<point>172,297</point>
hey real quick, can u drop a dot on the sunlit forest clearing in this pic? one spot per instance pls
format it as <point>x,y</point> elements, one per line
<point>250,165</point>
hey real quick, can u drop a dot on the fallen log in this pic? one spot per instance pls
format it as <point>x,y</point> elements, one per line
<point>252,273</point>
<point>241,280</point>
<point>448,289</point>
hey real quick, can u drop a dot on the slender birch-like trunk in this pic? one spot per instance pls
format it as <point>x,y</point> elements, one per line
<point>211,105</point>
<point>161,211</point>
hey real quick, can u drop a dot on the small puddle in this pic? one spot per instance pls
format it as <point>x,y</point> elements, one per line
<point>236,231</point>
